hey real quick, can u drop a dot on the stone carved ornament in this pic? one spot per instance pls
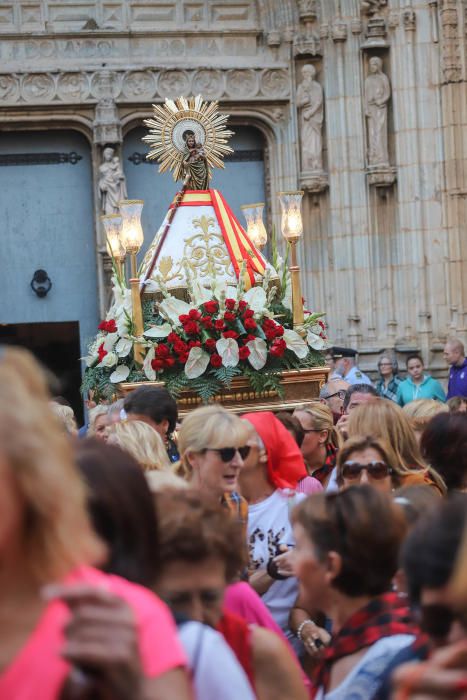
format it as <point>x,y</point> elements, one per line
<point>112,184</point>
<point>377,96</point>
<point>372,7</point>
<point>86,86</point>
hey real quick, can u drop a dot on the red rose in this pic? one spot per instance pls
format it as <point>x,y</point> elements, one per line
<point>157,365</point>
<point>219,325</point>
<point>194,344</point>
<point>102,326</point>
<point>230,334</point>
<point>216,360</point>
<point>180,347</point>
<point>101,352</point>
<point>173,338</point>
<point>191,328</point>
<point>279,331</point>
<point>268,324</point>
<point>322,325</point>
<point>184,318</point>
<point>169,362</point>
<point>211,306</point>
<point>270,335</point>
<point>207,322</point>
<point>111,326</point>
<point>210,344</point>
<point>250,337</point>
<point>243,353</point>
<point>162,350</point>
<point>249,313</point>
<point>230,304</point>
<point>194,314</point>
<point>278,348</point>
<point>183,358</point>
<point>242,305</point>
<point>250,324</point>
<point>229,316</point>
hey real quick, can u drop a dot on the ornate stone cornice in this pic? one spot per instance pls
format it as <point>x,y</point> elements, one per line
<point>143,85</point>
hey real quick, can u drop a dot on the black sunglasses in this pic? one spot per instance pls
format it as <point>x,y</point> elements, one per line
<point>436,620</point>
<point>375,470</point>
<point>228,453</point>
<point>341,394</point>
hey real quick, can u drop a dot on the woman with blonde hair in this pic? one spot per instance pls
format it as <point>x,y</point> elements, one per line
<point>98,422</point>
<point>421,411</point>
<point>65,417</point>
<point>386,420</point>
<point>321,442</point>
<point>50,635</point>
<point>141,441</point>
<point>212,443</point>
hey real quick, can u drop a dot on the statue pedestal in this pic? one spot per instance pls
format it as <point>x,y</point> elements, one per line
<point>381,175</point>
<point>314,181</point>
<point>299,387</point>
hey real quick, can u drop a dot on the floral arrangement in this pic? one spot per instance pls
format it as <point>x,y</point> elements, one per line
<point>205,342</point>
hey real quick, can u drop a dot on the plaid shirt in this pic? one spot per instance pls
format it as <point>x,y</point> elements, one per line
<point>384,616</point>
<point>389,392</point>
<point>323,472</point>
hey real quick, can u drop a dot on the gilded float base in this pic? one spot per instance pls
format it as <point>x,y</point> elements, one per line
<point>299,387</point>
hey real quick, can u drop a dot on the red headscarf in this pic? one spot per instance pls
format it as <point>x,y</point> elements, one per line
<point>285,462</point>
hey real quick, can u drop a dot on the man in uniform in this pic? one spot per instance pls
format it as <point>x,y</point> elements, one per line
<point>347,368</point>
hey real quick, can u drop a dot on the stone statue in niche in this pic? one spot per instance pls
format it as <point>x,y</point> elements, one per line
<point>310,101</point>
<point>112,184</point>
<point>377,95</point>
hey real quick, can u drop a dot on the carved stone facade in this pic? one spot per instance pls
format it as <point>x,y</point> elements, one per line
<point>384,250</point>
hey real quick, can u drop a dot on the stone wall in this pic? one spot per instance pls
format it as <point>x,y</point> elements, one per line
<point>378,145</point>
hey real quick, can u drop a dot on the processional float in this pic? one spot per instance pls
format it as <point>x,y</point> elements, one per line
<point>205,315</point>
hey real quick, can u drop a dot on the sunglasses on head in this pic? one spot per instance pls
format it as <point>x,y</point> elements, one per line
<point>436,620</point>
<point>228,453</point>
<point>375,470</point>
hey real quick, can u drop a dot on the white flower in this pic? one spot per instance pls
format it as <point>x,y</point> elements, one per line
<point>91,359</point>
<point>200,295</point>
<point>158,331</point>
<point>256,299</point>
<point>258,353</point>
<point>197,362</point>
<point>295,343</point>
<point>110,341</point>
<point>228,350</point>
<point>123,347</point>
<point>120,374</point>
<point>171,308</point>
<point>315,341</point>
<point>147,369</point>
<point>109,360</point>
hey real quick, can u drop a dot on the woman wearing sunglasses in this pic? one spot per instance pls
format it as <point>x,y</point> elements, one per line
<point>367,460</point>
<point>213,444</point>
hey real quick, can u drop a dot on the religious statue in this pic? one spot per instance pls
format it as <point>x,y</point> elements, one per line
<point>372,7</point>
<point>195,163</point>
<point>112,184</point>
<point>311,104</point>
<point>377,95</point>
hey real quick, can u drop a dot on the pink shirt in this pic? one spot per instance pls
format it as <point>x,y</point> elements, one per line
<point>38,671</point>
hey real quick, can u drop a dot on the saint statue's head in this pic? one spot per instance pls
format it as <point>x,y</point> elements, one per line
<point>189,138</point>
<point>108,153</point>
<point>376,64</point>
<point>309,71</point>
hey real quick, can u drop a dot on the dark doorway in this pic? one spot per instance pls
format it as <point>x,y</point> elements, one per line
<point>56,346</point>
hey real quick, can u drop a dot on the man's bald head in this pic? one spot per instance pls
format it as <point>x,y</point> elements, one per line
<point>454,352</point>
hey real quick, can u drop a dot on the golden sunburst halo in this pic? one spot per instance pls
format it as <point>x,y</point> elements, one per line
<point>172,119</point>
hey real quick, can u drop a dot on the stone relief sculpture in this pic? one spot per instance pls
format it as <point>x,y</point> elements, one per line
<point>377,95</point>
<point>310,102</point>
<point>112,184</point>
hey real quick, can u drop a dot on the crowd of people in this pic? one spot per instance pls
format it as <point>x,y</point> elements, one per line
<point>315,554</point>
